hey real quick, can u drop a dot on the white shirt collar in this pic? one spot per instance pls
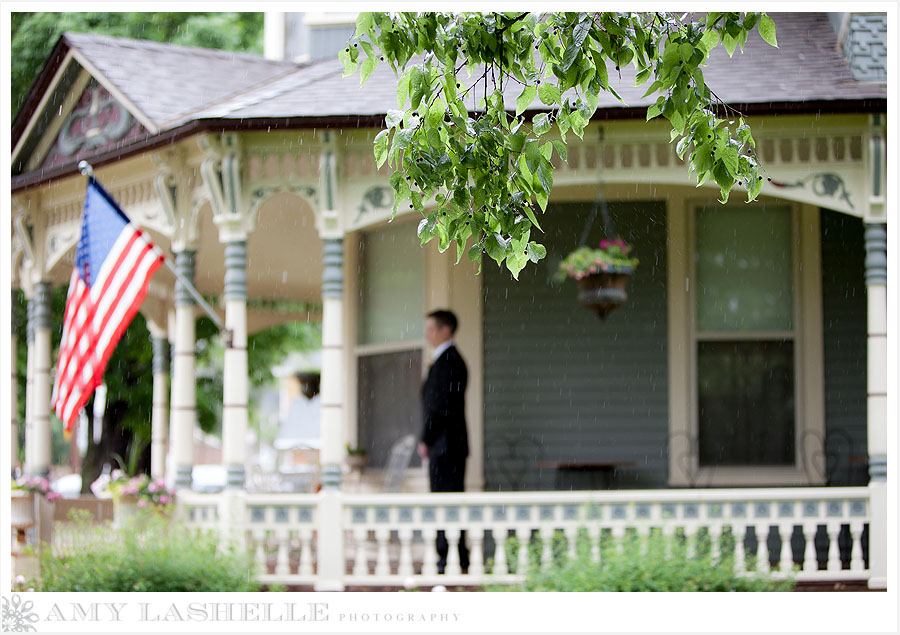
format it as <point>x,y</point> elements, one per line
<point>440,349</point>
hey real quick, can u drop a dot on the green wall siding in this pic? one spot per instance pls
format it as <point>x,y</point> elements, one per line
<point>844,314</point>
<point>559,384</point>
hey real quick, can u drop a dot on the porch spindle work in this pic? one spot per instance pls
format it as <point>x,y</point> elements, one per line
<point>184,396</point>
<point>876,403</point>
<point>390,537</point>
<point>40,402</point>
<point>160,415</point>
<point>234,407</point>
<point>14,384</point>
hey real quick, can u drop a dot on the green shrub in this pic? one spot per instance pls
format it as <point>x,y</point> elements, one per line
<point>653,564</point>
<point>149,554</point>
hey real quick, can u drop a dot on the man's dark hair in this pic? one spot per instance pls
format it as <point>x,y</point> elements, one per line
<point>445,318</point>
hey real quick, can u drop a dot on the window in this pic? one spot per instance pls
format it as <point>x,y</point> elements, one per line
<point>746,400</point>
<point>390,336</point>
<point>744,319</point>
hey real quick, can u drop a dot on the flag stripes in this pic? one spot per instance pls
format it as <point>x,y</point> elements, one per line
<point>100,308</point>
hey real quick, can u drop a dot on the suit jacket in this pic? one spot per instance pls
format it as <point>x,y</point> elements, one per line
<point>444,408</point>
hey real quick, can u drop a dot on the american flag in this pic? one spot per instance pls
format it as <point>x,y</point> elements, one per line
<point>114,261</point>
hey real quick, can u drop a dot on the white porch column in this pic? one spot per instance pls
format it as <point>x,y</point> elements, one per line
<point>40,400</point>
<point>235,380</point>
<point>876,403</point>
<point>29,385</point>
<point>330,528</point>
<point>14,385</point>
<point>159,439</point>
<point>184,381</point>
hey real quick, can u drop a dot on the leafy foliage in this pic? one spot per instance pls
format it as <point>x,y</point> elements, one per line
<point>478,173</point>
<point>149,554</point>
<point>35,34</point>
<point>662,563</point>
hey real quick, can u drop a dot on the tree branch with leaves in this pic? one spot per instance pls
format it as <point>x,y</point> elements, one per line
<point>478,173</point>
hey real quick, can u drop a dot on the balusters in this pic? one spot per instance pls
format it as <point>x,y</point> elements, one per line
<point>282,548</point>
<point>762,551</point>
<point>476,551</point>
<point>429,561</point>
<point>786,561</point>
<point>453,537</point>
<point>834,555</point>
<point>856,553</point>
<point>361,562</point>
<point>499,567</point>
<point>594,537</point>
<point>810,561</point>
<point>382,561</point>
<point>715,537</point>
<point>260,555</point>
<point>306,557</point>
<point>571,534</point>
<point>405,565</point>
<point>740,557</point>
<point>523,536</point>
<point>546,534</point>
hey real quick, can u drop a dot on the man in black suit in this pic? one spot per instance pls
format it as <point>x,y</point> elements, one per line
<point>444,440</point>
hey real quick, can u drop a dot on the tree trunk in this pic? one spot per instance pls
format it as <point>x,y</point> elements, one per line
<point>114,440</point>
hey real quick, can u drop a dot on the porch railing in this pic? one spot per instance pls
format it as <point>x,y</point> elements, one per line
<point>389,539</point>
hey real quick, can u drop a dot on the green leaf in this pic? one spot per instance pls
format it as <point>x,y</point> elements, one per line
<point>536,251</point>
<point>350,65</point>
<point>710,40</point>
<point>496,246</point>
<point>541,123</point>
<point>549,94</point>
<point>545,176</point>
<point>530,214</point>
<point>677,121</point>
<point>525,99</point>
<point>403,90</point>
<point>427,229</point>
<point>515,262</point>
<point>642,77</point>
<point>561,149</point>
<point>767,30</point>
<point>364,22</point>
<point>654,111</point>
<point>381,147</point>
<point>366,69</point>
<point>730,44</point>
<point>730,158</point>
<point>393,118</point>
<point>542,200</point>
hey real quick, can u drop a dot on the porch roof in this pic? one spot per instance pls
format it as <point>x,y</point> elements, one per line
<point>183,90</point>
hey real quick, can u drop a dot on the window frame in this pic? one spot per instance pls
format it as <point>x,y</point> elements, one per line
<point>806,334</point>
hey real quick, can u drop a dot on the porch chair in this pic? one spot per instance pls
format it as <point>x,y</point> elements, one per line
<point>398,461</point>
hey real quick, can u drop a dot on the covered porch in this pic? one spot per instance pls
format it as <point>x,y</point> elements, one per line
<point>291,223</point>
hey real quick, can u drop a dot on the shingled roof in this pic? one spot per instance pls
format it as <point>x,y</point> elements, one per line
<point>183,89</point>
<point>167,82</point>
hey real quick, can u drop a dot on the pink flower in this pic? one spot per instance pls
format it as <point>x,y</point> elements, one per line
<point>129,491</point>
<point>604,244</point>
<point>164,499</point>
<point>52,496</point>
<point>142,503</point>
<point>155,486</point>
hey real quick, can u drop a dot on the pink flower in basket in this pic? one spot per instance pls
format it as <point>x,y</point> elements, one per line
<point>131,490</point>
<point>142,503</point>
<point>164,499</point>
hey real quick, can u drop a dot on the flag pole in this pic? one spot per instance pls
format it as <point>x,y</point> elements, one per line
<point>88,170</point>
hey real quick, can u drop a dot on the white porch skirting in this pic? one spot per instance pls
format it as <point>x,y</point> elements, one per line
<point>811,533</point>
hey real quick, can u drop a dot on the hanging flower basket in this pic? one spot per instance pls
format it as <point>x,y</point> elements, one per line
<point>603,292</point>
<point>601,274</point>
